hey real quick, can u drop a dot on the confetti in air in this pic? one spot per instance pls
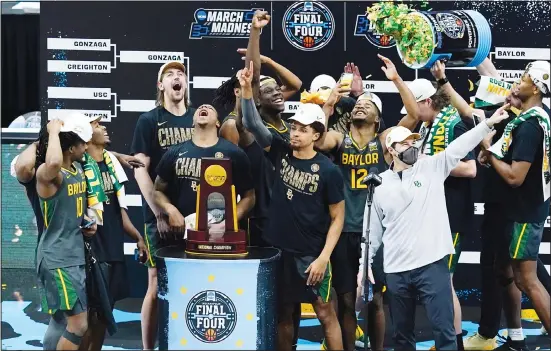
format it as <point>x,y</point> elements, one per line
<point>532,15</point>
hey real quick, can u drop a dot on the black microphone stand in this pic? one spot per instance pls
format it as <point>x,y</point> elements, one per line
<point>373,180</point>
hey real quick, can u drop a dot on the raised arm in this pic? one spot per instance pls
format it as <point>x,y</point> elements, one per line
<point>487,68</point>
<point>260,20</point>
<point>25,164</point>
<point>465,110</point>
<point>448,159</point>
<point>412,118</point>
<point>251,118</point>
<point>291,83</point>
<point>54,155</point>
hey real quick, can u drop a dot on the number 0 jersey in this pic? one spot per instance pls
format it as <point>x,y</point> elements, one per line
<point>355,163</point>
<point>61,244</point>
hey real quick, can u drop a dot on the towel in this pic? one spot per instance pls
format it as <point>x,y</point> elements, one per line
<point>94,184</point>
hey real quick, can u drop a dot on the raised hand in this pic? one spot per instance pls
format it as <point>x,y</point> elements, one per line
<point>260,19</point>
<point>263,59</point>
<point>245,76</point>
<point>337,92</point>
<point>54,126</point>
<point>498,116</point>
<point>438,70</point>
<point>389,68</point>
<point>356,88</point>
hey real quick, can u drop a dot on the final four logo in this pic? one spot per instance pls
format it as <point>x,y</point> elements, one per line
<point>453,26</point>
<point>211,316</point>
<point>222,23</point>
<point>308,25</point>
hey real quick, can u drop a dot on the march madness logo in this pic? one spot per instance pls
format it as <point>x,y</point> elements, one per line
<point>222,23</point>
<point>308,25</point>
<point>365,28</point>
<point>211,316</point>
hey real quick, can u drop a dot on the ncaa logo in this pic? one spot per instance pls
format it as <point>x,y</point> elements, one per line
<point>364,28</point>
<point>211,316</point>
<point>308,25</point>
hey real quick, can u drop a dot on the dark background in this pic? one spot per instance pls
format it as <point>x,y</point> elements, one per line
<point>165,26</point>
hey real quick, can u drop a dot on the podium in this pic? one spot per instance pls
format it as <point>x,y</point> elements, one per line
<point>223,303</point>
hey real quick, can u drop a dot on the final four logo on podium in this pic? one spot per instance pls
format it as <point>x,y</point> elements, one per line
<point>211,316</point>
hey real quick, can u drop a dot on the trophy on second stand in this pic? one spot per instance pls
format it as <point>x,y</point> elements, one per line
<point>216,202</point>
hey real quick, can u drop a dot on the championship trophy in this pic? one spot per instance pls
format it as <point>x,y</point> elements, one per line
<point>216,201</point>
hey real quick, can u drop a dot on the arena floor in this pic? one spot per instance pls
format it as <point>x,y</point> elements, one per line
<point>23,325</point>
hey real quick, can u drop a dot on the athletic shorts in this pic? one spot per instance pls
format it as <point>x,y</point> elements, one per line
<point>63,289</point>
<point>345,261</point>
<point>524,240</point>
<point>453,259</point>
<point>153,242</point>
<point>378,271</point>
<point>292,280</point>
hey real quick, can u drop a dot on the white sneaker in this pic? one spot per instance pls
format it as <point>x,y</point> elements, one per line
<point>478,342</point>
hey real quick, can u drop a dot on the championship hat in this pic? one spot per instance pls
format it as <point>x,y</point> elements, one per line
<point>422,89</point>
<point>400,134</point>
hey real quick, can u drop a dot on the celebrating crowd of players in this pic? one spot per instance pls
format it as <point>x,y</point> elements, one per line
<point>309,170</point>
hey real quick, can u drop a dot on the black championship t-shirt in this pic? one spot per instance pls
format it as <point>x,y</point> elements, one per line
<point>156,131</point>
<point>108,243</point>
<point>260,164</point>
<point>525,203</point>
<point>32,195</point>
<point>459,201</point>
<point>299,216</point>
<point>180,167</point>
<point>495,189</point>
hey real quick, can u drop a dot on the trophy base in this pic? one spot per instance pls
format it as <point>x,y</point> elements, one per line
<point>232,244</point>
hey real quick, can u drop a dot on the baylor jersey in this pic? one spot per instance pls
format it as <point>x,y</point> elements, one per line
<point>355,164</point>
<point>62,244</point>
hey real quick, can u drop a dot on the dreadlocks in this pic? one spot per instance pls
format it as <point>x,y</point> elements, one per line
<point>224,96</point>
<point>66,140</point>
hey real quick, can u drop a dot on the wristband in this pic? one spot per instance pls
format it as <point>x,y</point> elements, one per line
<point>442,81</point>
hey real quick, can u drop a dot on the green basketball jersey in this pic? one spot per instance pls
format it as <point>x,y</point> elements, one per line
<point>355,163</point>
<point>62,243</point>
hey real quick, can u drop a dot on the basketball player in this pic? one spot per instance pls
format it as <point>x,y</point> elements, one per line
<point>495,203</point>
<point>170,123</point>
<point>228,95</point>
<point>23,168</point>
<point>521,159</point>
<point>179,171</point>
<point>61,187</point>
<point>308,194</point>
<point>108,243</point>
<point>357,153</point>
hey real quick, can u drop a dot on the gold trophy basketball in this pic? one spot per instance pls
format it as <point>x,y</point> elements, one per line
<point>216,202</point>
